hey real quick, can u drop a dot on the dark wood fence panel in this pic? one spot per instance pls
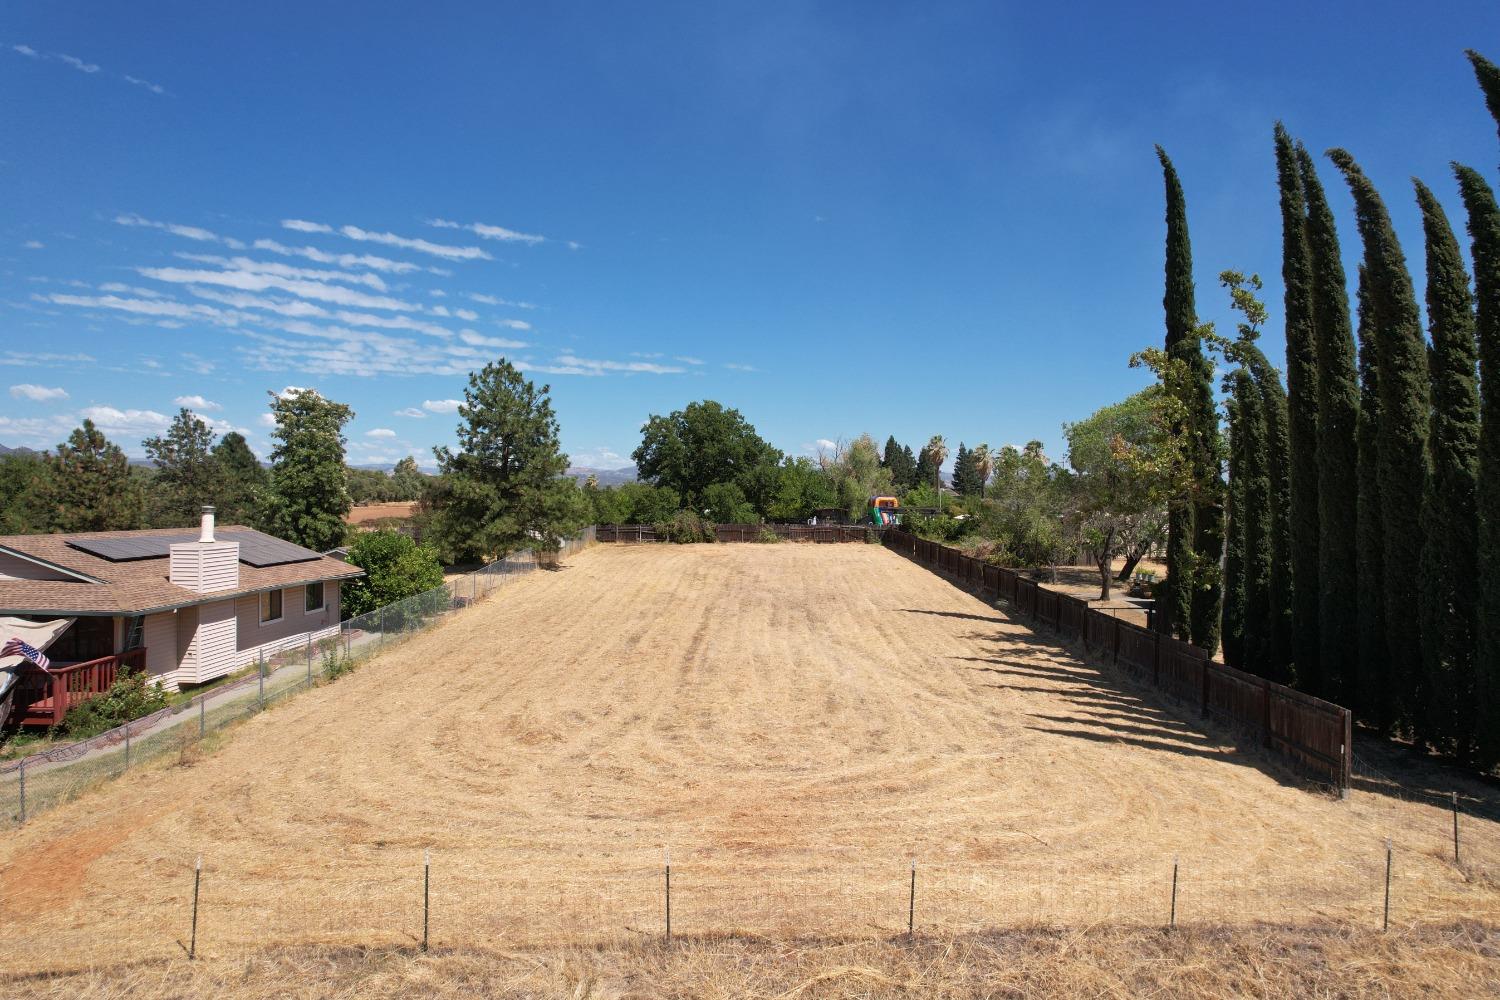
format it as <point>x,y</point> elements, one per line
<point>1312,734</point>
<point>827,533</point>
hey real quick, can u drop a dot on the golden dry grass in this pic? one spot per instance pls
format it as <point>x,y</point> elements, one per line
<point>794,722</point>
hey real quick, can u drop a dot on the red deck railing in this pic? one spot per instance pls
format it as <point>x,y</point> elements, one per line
<point>43,697</point>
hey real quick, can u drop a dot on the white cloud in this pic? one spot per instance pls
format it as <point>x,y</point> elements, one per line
<point>27,50</point>
<point>437,293</point>
<point>30,359</point>
<point>490,232</point>
<point>588,366</point>
<point>155,88</point>
<point>467,314</point>
<point>266,420</point>
<point>495,300</point>
<point>411,411</point>
<point>303,226</point>
<point>148,307</point>
<point>118,286</point>
<point>688,361</point>
<point>77,63</point>
<point>442,405</point>
<point>599,458</point>
<point>37,393</point>
<point>138,423</point>
<point>33,244</point>
<point>422,246</point>
<point>380,432</point>
<point>197,403</point>
<point>734,366</point>
<point>826,445</point>
<point>513,324</point>
<point>285,270</point>
<point>258,281</point>
<point>186,232</point>
<point>344,260</point>
<point>476,339</point>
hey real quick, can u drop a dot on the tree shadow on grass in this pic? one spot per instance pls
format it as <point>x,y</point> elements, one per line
<point>958,614</point>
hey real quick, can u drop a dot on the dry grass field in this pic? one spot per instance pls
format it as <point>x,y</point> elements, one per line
<point>795,723</point>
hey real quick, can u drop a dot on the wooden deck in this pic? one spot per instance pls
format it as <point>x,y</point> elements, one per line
<point>43,697</point>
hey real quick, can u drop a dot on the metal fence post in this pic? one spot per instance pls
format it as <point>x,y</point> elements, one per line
<point>1172,920</point>
<point>309,658</point>
<point>260,673</point>
<point>669,895</point>
<point>23,789</point>
<point>426,892</point>
<point>911,904</point>
<point>1385,923</point>
<point>1455,828</point>
<point>127,746</point>
<point>202,714</point>
<point>197,880</point>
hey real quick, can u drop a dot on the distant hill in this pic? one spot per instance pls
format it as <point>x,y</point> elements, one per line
<point>607,477</point>
<point>17,451</point>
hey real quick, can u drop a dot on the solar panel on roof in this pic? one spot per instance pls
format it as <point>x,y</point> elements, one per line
<point>256,548</point>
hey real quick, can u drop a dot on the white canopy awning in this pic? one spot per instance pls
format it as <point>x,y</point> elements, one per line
<point>39,635</point>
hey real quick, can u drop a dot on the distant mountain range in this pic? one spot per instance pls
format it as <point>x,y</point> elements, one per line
<point>17,451</point>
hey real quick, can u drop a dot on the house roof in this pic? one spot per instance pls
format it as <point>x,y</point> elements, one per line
<point>137,586</point>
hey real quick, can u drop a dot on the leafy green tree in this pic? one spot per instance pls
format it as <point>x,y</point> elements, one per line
<point>88,485</point>
<point>1302,411</point>
<point>801,489</point>
<point>241,479</point>
<point>368,485</point>
<point>1373,689</point>
<point>1122,457</point>
<point>633,503</point>
<point>187,477</point>
<point>505,488</point>
<point>1029,501</point>
<point>1404,463</point>
<point>407,481</point>
<point>307,493</point>
<point>855,474</point>
<point>396,568</point>
<point>1484,229</point>
<point>725,503</point>
<point>1450,562</point>
<point>702,444</point>
<point>1195,532</point>
<point>22,506</point>
<point>1338,447</point>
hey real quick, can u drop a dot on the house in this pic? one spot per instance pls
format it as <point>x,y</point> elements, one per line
<point>188,606</point>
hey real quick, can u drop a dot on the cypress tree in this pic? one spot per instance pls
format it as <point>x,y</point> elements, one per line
<point>1302,413</point>
<point>1275,412</point>
<point>1372,686</point>
<point>1404,465</point>
<point>1488,75</point>
<point>1338,450</point>
<point>1234,540</point>
<point>1450,562</point>
<point>1484,228</point>
<point>1259,555</point>
<point>1195,530</point>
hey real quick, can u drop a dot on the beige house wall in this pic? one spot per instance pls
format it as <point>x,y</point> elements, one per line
<point>292,629</point>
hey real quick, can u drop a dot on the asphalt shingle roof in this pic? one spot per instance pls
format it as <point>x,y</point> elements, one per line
<point>137,586</point>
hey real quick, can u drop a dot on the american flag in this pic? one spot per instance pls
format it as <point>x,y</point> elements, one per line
<point>17,647</point>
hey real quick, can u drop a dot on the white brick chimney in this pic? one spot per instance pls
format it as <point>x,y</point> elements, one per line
<point>205,566</point>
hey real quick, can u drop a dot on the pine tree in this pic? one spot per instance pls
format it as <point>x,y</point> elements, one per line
<point>962,474</point>
<point>307,496</point>
<point>1338,449</point>
<point>187,477</point>
<point>242,478</point>
<point>1484,228</point>
<point>1450,562</point>
<point>926,470</point>
<point>909,461</point>
<point>899,461</point>
<point>1404,464</point>
<point>1488,75</point>
<point>1302,412</point>
<point>1373,688</point>
<point>88,485</point>
<point>1234,533</point>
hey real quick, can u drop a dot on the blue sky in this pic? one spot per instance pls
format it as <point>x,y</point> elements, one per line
<point>837,217</point>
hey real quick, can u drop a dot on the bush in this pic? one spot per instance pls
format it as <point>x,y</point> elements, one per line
<point>686,528</point>
<point>768,537</point>
<point>395,568</point>
<point>131,696</point>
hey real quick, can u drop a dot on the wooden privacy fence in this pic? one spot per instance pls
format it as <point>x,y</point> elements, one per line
<point>1311,734</point>
<point>742,532</point>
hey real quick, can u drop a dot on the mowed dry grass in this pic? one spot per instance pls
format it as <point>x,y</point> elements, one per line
<point>794,722</point>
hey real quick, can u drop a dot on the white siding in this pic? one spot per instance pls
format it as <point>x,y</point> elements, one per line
<point>205,567</point>
<point>216,640</point>
<point>294,626</point>
<point>187,645</point>
<point>160,639</point>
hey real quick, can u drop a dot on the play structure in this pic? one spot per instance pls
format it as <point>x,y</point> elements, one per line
<point>885,511</point>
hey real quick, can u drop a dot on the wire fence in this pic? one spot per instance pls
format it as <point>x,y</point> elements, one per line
<point>33,784</point>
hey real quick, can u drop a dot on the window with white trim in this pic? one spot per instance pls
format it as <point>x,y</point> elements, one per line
<point>315,597</point>
<point>270,607</point>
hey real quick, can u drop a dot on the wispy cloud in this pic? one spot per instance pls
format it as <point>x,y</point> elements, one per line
<point>83,66</point>
<point>155,88</point>
<point>37,393</point>
<point>303,226</point>
<point>688,360</point>
<point>412,411</point>
<point>490,232</point>
<point>480,340</point>
<point>442,405</point>
<point>259,281</point>
<point>27,359</point>
<point>344,260</point>
<point>126,423</point>
<point>77,63</point>
<point>380,432</point>
<point>513,324</point>
<point>571,364</point>
<point>421,246</point>
<point>187,232</point>
<point>33,244</point>
<point>494,300</point>
<point>735,366</point>
<point>197,403</point>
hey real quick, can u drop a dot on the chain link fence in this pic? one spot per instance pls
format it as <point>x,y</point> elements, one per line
<point>33,784</point>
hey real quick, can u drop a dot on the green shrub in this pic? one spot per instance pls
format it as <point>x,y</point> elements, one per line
<point>768,537</point>
<point>131,696</point>
<point>685,528</point>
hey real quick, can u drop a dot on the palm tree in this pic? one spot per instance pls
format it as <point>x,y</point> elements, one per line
<point>938,449</point>
<point>984,464</point>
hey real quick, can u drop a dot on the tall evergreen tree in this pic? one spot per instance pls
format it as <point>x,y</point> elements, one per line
<point>187,477</point>
<point>901,463</point>
<point>1195,531</point>
<point>307,496</point>
<point>1259,559</point>
<point>88,485</point>
<point>1488,75</point>
<point>1373,688</point>
<point>1404,465</point>
<point>1281,649</point>
<point>926,470</point>
<point>966,478</point>
<point>1450,562</point>
<point>242,478</point>
<point>1338,450</point>
<point>1302,413</point>
<point>1233,637</point>
<point>1484,228</point>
